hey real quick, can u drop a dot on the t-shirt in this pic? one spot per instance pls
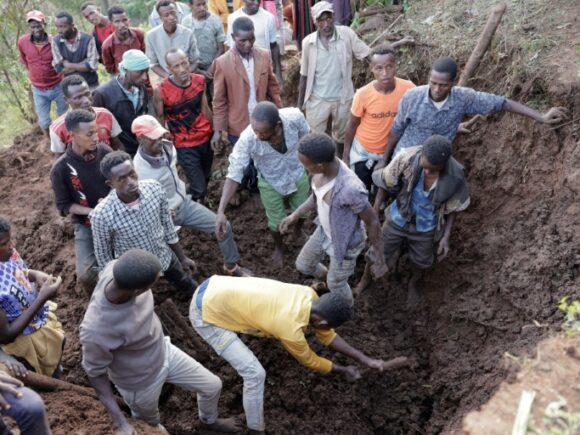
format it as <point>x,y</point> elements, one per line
<point>377,112</point>
<point>17,293</point>
<point>264,27</point>
<point>103,33</point>
<point>266,308</point>
<point>107,127</point>
<point>123,340</point>
<point>328,74</point>
<point>209,33</point>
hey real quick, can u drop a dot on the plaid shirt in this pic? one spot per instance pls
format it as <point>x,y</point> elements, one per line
<point>118,227</point>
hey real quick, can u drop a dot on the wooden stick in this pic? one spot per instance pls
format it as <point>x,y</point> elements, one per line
<point>386,30</point>
<point>483,42</point>
<point>523,414</point>
<point>369,12</point>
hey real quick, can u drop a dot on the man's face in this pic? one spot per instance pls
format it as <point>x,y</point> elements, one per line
<point>199,8</point>
<point>384,68</point>
<point>124,180</point>
<point>251,6</point>
<point>244,41</point>
<point>153,147</point>
<point>178,65</point>
<point>121,23</point>
<point>263,130</point>
<point>431,171</point>
<point>36,29</point>
<point>440,85</point>
<point>79,97</point>
<point>86,136</point>
<point>168,15</point>
<point>6,246</point>
<point>310,166</point>
<point>63,28</point>
<point>325,23</point>
<point>92,14</point>
<point>137,78</point>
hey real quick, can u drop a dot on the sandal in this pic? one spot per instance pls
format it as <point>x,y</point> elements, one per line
<point>238,271</point>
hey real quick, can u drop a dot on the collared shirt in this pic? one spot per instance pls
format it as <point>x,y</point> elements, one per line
<point>328,76</point>
<point>421,206</point>
<point>418,118</point>
<point>92,59</point>
<point>113,48</point>
<point>134,95</point>
<point>264,27</point>
<point>281,171</point>
<point>118,228</point>
<point>349,198</point>
<point>348,44</point>
<point>37,58</point>
<point>249,66</point>
<point>157,42</point>
<point>209,33</point>
<point>267,308</point>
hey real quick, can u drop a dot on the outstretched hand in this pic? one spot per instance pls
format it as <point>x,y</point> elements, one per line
<point>555,115</point>
<point>188,265</point>
<point>351,373</point>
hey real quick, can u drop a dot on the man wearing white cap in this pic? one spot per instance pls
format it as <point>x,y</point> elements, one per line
<point>36,55</point>
<point>326,88</point>
<point>156,160</point>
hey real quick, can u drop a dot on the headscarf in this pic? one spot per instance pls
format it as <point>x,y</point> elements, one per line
<point>134,60</point>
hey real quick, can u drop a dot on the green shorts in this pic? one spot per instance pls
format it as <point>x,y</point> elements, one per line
<point>275,203</point>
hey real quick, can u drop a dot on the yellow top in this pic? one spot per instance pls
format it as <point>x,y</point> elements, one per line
<point>266,308</point>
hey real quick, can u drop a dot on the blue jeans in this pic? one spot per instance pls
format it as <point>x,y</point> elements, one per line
<point>28,411</point>
<point>43,101</point>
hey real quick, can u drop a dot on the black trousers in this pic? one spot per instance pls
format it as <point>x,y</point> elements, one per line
<point>179,278</point>
<point>364,173</point>
<point>196,163</point>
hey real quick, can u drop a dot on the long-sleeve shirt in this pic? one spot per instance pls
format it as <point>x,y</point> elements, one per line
<point>145,224</point>
<point>267,308</point>
<point>123,340</point>
<point>157,42</point>
<point>113,49</point>
<point>37,58</point>
<point>281,171</point>
<point>92,59</point>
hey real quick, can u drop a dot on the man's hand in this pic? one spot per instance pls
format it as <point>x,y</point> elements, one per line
<point>377,262</point>
<point>188,265</point>
<point>50,287</point>
<point>377,364</point>
<point>465,127</point>
<point>218,136</point>
<point>221,226</point>
<point>351,373</point>
<point>15,368</point>
<point>38,277</point>
<point>8,385</point>
<point>287,223</point>
<point>554,115</point>
<point>443,249</point>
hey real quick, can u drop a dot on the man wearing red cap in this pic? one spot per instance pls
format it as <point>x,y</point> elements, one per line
<point>36,56</point>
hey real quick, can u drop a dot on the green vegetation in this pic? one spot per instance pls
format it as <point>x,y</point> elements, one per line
<point>572,310</point>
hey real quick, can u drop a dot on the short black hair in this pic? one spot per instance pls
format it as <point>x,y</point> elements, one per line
<point>174,50</point>
<point>87,4</point>
<point>65,14</point>
<point>445,65</point>
<point>318,147</point>
<point>136,269</point>
<point>75,117</point>
<point>437,150</point>
<point>72,80</point>
<point>266,111</point>
<point>115,10</point>
<point>382,50</point>
<point>163,3</point>
<point>111,160</point>
<point>335,309</point>
<point>5,225</point>
<point>242,24</point>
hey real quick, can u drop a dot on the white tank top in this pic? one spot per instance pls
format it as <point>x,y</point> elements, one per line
<point>322,206</point>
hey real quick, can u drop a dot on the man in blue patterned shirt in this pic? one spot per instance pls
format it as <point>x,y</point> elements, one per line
<point>135,215</point>
<point>439,108</point>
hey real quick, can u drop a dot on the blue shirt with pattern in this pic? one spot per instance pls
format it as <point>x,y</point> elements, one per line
<point>418,118</point>
<point>421,206</point>
<point>17,293</point>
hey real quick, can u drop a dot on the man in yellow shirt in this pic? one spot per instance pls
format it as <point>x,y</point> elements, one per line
<point>222,306</point>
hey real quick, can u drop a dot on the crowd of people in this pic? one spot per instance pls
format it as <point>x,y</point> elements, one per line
<point>201,81</point>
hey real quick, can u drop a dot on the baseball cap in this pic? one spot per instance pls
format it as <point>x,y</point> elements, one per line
<point>319,8</point>
<point>35,16</point>
<point>148,126</point>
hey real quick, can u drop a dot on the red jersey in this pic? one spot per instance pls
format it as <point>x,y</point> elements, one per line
<point>103,33</point>
<point>183,115</point>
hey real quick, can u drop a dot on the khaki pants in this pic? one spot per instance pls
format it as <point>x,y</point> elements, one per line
<point>318,111</point>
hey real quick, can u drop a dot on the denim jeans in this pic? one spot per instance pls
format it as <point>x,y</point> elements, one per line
<point>43,101</point>
<point>313,252</point>
<point>191,214</point>
<point>182,370</point>
<point>28,411</point>
<point>228,345</point>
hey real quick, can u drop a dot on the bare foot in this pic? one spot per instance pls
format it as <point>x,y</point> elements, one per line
<point>229,425</point>
<point>278,258</point>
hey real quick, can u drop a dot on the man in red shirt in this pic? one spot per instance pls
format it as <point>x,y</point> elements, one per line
<point>78,95</point>
<point>180,103</point>
<point>36,56</point>
<point>103,27</point>
<point>122,39</point>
